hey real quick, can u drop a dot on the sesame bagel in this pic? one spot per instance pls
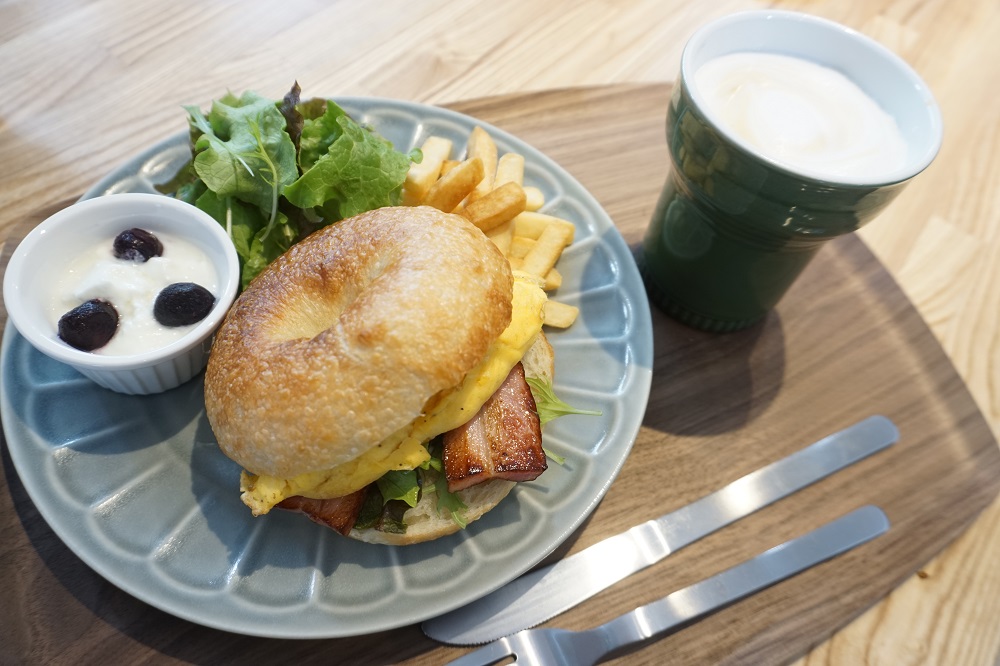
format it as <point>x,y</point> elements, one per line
<point>342,341</point>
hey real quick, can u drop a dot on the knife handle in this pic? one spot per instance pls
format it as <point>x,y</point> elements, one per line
<point>764,570</point>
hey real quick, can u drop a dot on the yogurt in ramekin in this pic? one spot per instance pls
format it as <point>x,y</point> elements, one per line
<point>37,267</point>
<point>132,287</point>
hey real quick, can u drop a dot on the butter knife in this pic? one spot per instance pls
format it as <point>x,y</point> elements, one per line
<point>547,591</point>
<point>636,628</point>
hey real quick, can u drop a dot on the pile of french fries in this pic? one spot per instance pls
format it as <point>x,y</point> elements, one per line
<point>489,191</point>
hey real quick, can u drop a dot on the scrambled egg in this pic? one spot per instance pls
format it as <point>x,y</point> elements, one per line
<point>405,449</point>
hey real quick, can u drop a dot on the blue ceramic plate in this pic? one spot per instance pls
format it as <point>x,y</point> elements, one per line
<point>138,489</point>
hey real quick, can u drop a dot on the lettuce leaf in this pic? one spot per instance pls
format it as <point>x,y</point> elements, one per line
<point>548,405</point>
<point>247,228</point>
<point>271,172</point>
<point>400,485</point>
<point>407,485</point>
<point>320,129</point>
<point>347,169</point>
<point>244,151</point>
<point>448,502</point>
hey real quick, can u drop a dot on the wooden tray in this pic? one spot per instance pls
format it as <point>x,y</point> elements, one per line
<point>845,343</point>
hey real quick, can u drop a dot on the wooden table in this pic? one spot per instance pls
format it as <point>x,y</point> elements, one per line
<point>87,84</point>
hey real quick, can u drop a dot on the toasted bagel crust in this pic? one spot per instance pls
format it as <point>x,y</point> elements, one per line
<point>341,341</point>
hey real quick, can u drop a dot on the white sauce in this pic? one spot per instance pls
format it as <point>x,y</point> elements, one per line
<point>802,115</point>
<point>132,287</point>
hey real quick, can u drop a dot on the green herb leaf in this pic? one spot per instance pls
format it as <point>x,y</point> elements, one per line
<point>190,192</point>
<point>266,247</point>
<point>184,178</point>
<point>400,485</point>
<point>240,220</point>
<point>556,458</point>
<point>392,517</point>
<point>244,151</point>
<point>449,502</point>
<point>548,405</point>
<point>247,228</point>
<point>371,509</point>
<point>433,463</point>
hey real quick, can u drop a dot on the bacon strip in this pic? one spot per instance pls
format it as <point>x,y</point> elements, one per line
<point>339,513</point>
<point>502,441</point>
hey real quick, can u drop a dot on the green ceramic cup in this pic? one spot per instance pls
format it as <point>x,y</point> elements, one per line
<point>733,228</point>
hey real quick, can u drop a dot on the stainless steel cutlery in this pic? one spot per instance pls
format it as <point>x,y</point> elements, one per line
<point>545,592</point>
<point>628,631</point>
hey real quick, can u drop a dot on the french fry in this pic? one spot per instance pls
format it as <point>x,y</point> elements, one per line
<point>559,315</point>
<point>544,255</point>
<point>481,145</point>
<point>496,207</point>
<point>520,246</point>
<point>535,198</point>
<point>502,235</point>
<point>531,225</point>
<point>490,193</point>
<point>421,176</point>
<point>450,189</point>
<point>553,280</point>
<point>519,274</point>
<point>510,169</point>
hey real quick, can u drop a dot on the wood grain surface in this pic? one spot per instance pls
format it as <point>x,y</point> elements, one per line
<point>88,83</point>
<point>720,407</point>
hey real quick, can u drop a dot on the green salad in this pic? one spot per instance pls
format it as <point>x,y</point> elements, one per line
<point>272,172</point>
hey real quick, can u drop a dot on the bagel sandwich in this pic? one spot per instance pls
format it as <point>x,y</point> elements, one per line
<point>365,348</point>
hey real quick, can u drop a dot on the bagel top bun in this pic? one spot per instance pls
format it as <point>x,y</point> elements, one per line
<point>343,340</point>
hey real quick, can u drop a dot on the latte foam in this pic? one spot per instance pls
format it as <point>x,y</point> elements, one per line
<point>802,115</point>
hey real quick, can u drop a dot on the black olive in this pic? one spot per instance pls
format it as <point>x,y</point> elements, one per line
<point>90,325</point>
<point>182,303</point>
<point>137,245</point>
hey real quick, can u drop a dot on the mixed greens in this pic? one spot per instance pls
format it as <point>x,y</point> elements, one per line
<point>273,172</point>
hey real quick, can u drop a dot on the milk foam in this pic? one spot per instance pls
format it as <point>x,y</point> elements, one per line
<point>802,115</point>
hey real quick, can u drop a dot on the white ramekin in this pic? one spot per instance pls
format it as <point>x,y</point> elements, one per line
<point>56,241</point>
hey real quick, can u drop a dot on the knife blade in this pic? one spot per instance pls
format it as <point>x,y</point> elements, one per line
<point>646,623</point>
<point>548,591</point>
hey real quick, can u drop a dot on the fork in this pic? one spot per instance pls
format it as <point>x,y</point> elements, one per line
<point>646,623</point>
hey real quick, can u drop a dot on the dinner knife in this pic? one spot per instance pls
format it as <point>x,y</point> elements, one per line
<point>548,591</point>
<point>646,623</point>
